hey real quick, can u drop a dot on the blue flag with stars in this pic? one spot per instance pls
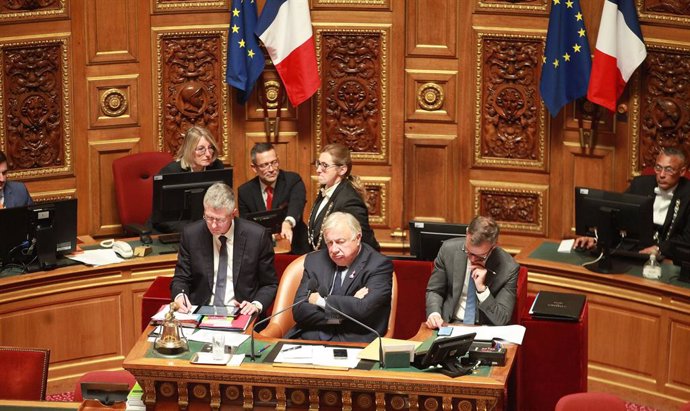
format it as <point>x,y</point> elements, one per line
<point>245,58</point>
<point>567,61</point>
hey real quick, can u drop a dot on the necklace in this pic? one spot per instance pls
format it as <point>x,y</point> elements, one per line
<point>310,229</point>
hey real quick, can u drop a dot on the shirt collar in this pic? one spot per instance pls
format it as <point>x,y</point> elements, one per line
<point>230,235</point>
<point>328,192</point>
<point>263,186</point>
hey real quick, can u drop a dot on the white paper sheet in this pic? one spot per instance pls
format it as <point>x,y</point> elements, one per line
<point>510,333</point>
<point>101,256</point>
<point>566,246</point>
<point>231,338</point>
<point>318,355</point>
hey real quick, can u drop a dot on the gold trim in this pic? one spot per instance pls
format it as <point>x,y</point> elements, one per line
<point>540,190</point>
<point>660,18</point>
<point>492,7</point>
<point>40,14</point>
<point>175,6</point>
<point>384,184</point>
<point>54,195</point>
<point>430,97</point>
<point>360,2</point>
<point>383,30</point>
<point>111,96</point>
<point>416,136</point>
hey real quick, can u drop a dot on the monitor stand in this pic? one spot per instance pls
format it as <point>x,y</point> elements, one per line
<point>453,368</point>
<point>608,264</point>
<point>46,246</point>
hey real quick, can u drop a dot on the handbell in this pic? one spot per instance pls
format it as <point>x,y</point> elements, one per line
<point>170,341</point>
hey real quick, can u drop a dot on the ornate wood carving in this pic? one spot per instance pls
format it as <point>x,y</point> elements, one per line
<point>665,11</point>
<point>665,103</point>
<point>191,91</point>
<point>352,100</point>
<point>35,102</point>
<point>177,6</point>
<point>31,9</point>
<point>679,7</point>
<point>518,208</point>
<point>376,189</point>
<point>509,114</point>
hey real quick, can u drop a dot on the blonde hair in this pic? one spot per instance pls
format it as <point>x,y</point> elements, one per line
<point>186,152</point>
<point>340,155</point>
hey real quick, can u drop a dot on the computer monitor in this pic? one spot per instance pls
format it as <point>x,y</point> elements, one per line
<point>426,237</point>
<point>681,258</point>
<point>271,219</point>
<point>40,232</point>
<point>446,352</point>
<point>616,219</point>
<point>179,197</point>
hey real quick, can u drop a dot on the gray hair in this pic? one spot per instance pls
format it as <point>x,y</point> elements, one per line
<point>220,195</point>
<point>483,230</point>
<point>259,148</point>
<point>674,152</point>
<point>339,218</point>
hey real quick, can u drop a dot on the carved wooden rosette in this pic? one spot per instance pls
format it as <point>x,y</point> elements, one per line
<point>509,115</point>
<point>32,9</point>
<point>177,6</point>
<point>518,208</point>
<point>35,107</point>
<point>539,7</point>
<point>353,99</point>
<point>664,95</point>
<point>674,12</point>
<point>190,84</point>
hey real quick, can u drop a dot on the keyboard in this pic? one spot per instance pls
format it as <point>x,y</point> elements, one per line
<point>169,238</point>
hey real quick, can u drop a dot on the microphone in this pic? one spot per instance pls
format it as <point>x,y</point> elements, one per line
<point>383,363</point>
<point>311,287</point>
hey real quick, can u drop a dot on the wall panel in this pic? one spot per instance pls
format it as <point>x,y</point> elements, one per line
<point>112,31</point>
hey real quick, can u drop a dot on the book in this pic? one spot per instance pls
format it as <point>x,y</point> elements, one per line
<point>185,320</point>
<point>226,323</point>
<point>558,306</point>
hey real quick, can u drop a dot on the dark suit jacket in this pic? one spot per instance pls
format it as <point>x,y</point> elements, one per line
<point>448,278</point>
<point>253,273</point>
<point>16,194</point>
<point>370,269</point>
<point>157,221</point>
<point>289,191</point>
<point>674,228</point>
<point>346,199</point>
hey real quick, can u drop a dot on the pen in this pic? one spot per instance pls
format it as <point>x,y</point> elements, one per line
<point>296,347</point>
<point>265,347</point>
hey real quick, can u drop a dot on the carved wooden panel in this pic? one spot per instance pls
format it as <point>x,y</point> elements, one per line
<point>272,92</point>
<point>518,208</point>
<point>177,6</point>
<point>32,10</point>
<point>287,150</point>
<point>679,355</point>
<point>113,101</point>
<point>190,85</point>
<point>35,104</point>
<point>353,99</point>
<point>53,195</point>
<point>351,4</point>
<point>377,191</point>
<point>510,117</point>
<point>665,11</point>
<point>517,6</point>
<point>432,30</point>
<point>111,31</point>
<point>664,102</point>
<point>431,95</point>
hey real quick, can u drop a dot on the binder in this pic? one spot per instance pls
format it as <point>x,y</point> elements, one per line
<point>551,305</point>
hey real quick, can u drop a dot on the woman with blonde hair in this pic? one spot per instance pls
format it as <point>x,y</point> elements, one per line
<point>340,191</point>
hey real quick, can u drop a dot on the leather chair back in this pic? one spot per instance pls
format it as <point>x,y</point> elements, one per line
<point>590,401</point>
<point>105,377</point>
<point>133,180</point>
<point>24,373</point>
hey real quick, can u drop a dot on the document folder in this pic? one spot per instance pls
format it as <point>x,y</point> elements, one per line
<point>557,306</point>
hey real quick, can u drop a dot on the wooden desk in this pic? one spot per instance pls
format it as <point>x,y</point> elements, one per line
<point>639,329</point>
<point>171,384</point>
<point>16,405</point>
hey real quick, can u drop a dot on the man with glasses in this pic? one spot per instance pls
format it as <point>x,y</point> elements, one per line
<point>474,281</point>
<point>671,193</point>
<point>274,188</point>
<point>351,277</point>
<point>223,260</point>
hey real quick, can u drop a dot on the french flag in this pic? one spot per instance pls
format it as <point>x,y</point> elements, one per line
<point>620,50</point>
<point>285,29</point>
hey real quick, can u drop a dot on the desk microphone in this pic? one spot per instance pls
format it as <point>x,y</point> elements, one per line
<point>383,363</point>
<point>311,287</point>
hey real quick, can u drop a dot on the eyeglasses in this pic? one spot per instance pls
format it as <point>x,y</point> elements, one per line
<point>340,241</point>
<point>668,170</point>
<point>213,220</point>
<point>202,150</point>
<point>478,257</point>
<point>264,166</point>
<point>324,166</point>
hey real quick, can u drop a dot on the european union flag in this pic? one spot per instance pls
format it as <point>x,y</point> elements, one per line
<point>567,61</point>
<point>245,59</point>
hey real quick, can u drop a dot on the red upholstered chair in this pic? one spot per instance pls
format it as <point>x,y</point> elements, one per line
<point>24,373</point>
<point>685,407</point>
<point>121,376</point>
<point>133,179</point>
<point>590,401</point>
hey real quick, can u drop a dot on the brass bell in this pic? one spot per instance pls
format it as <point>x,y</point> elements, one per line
<point>171,341</point>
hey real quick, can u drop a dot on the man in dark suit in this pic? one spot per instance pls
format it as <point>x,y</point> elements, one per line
<point>671,192</point>
<point>224,261</point>
<point>352,277</point>
<point>474,281</point>
<point>275,188</point>
<point>13,193</point>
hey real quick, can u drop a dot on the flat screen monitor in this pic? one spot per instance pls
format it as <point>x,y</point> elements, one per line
<point>617,220</point>
<point>446,352</point>
<point>179,197</point>
<point>271,219</point>
<point>38,233</point>
<point>426,237</point>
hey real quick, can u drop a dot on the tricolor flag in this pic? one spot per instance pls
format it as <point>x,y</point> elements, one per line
<point>285,28</point>
<point>245,59</point>
<point>620,50</point>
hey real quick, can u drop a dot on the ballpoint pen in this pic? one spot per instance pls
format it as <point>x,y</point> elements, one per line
<point>296,347</point>
<point>264,348</point>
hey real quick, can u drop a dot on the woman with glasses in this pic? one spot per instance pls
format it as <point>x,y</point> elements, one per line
<point>198,152</point>
<point>340,191</point>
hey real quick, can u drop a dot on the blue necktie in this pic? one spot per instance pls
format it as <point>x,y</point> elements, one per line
<point>471,306</point>
<point>222,276</point>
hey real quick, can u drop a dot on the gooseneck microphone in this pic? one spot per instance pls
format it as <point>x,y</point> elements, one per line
<point>311,287</point>
<point>324,293</point>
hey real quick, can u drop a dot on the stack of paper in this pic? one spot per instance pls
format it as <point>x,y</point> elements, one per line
<point>219,322</point>
<point>185,320</point>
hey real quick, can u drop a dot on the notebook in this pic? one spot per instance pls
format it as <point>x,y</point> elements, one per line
<point>558,306</point>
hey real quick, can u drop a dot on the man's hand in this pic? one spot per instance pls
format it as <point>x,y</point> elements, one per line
<point>434,321</point>
<point>651,249</point>
<point>246,308</point>
<point>361,292</point>
<point>286,231</point>
<point>478,274</point>
<point>586,243</point>
<point>314,297</point>
<point>183,304</point>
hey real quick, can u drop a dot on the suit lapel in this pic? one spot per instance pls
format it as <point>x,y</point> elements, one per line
<point>207,248</point>
<point>257,195</point>
<point>279,191</point>
<point>355,270</point>
<point>459,269</point>
<point>239,242</point>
